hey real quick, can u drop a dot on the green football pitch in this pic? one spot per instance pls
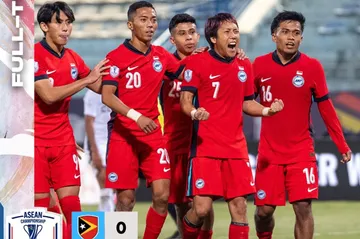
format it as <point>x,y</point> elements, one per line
<point>333,220</point>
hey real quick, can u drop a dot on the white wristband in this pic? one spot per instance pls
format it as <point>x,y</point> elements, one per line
<point>133,114</point>
<point>265,111</point>
<point>192,113</point>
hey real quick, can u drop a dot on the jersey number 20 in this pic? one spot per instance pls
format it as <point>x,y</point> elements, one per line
<point>164,156</point>
<point>134,80</point>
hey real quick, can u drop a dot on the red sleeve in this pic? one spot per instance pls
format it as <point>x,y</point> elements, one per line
<point>191,80</point>
<point>173,66</point>
<point>39,67</point>
<point>328,114</point>
<point>320,90</point>
<point>114,72</point>
<point>182,62</point>
<point>326,107</point>
<point>256,77</point>
<point>249,84</point>
<point>84,70</point>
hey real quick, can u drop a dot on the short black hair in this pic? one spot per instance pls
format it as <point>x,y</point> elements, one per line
<point>47,10</point>
<point>180,18</point>
<point>213,24</point>
<point>136,5</point>
<point>287,16</point>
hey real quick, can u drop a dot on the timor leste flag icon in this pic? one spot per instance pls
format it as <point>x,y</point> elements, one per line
<point>88,226</point>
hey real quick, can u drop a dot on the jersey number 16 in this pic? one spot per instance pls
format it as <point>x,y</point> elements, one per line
<point>267,96</point>
<point>309,174</point>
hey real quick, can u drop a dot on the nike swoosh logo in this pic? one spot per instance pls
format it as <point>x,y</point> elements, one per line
<point>252,184</point>
<point>266,79</point>
<point>166,169</point>
<point>213,77</point>
<point>76,176</point>
<point>311,189</point>
<point>50,72</point>
<point>132,68</point>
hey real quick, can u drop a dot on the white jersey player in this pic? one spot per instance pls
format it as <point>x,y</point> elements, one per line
<point>97,116</point>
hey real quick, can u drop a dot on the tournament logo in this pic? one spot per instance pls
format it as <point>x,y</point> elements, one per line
<point>188,75</point>
<point>34,223</point>
<point>261,194</point>
<point>113,177</point>
<point>298,81</point>
<point>114,71</point>
<point>242,76</point>
<point>33,230</point>
<point>157,66</point>
<point>36,66</point>
<point>74,71</point>
<point>199,183</point>
<point>88,226</point>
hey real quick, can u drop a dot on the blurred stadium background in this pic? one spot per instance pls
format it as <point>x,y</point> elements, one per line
<point>332,34</point>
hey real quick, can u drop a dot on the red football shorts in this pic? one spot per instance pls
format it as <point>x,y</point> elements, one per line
<point>178,164</point>
<point>124,158</point>
<point>299,180</point>
<point>227,178</point>
<point>56,167</point>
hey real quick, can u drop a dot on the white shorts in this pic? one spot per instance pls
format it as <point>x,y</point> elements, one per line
<point>102,148</point>
<point>102,151</point>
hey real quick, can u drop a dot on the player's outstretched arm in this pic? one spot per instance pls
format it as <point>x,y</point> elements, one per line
<point>113,102</point>
<point>327,111</point>
<point>240,54</point>
<point>186,99</point>
<point>51,94</point>
<point>200,50</point>
<point>99,70</point>
<point>328,114</point>
<point>253,108</point>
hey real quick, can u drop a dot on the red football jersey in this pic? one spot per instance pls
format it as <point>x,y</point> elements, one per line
<point>138,78</point>
<point>288,133</point>
<point>52,125</point>
<point>177,125</point>
<point>220,86</point>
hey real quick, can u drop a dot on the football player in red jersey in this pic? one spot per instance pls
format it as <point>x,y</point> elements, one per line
<point>221,87</point>
<point>135,138</point>
<point>177,125</point>
<point>59,73</point>
<point>286,160</point>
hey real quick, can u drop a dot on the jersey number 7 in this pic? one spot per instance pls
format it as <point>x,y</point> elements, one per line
<point>215,84</point>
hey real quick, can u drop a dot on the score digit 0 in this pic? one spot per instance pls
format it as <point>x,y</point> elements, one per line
<point>121,227</point>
